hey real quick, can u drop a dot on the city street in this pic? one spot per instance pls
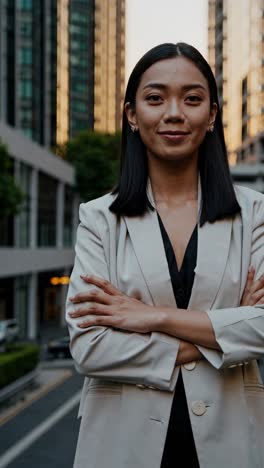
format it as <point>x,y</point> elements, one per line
<point>44,432</point>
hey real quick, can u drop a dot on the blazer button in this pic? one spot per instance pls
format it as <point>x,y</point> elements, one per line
<point>189,365</point>
<point>198,407</point>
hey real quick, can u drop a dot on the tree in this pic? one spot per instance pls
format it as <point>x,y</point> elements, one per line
<point>11,196</point>
<point>95,157</point>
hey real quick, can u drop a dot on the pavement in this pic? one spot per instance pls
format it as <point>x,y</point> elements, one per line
<point>42,428</point>
<point>47,380</point>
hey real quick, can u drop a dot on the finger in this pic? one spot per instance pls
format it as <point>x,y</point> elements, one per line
<point>93,309</point>
<point>250,278</point>
<point>257,296</point>
<point>102,320</point>
<point>257,285</point>
<point>95,295</point>
<point>103,284</point>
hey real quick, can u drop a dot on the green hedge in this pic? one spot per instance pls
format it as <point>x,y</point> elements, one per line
<point>17,361</point>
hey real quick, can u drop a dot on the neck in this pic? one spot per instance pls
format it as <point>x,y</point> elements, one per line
<point>176,182</point>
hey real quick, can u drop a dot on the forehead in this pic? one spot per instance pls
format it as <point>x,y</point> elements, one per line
<point>178,71</point>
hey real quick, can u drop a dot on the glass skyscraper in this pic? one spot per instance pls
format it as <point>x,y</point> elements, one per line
<point>61,66</point>
<point>236,54</point>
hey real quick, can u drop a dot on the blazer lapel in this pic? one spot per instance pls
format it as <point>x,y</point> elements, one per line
<point>148,245</point>
<point>212,255</point>
<point>213,247</point>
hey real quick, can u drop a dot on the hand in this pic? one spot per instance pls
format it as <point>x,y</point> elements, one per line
<point>109,307</point>
<point>254,290</point>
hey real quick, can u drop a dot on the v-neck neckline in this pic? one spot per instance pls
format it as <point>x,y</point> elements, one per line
<point>171,248</point>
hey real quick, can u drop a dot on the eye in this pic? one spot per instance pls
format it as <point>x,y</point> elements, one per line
<point>154,98</point>
<point>194,99</point>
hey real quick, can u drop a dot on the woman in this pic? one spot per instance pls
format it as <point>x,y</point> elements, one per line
<point>166,387</point>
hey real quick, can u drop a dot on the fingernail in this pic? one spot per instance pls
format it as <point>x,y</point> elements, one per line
<point>71,299</point>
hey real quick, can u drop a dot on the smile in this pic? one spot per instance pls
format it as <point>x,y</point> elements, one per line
<point>174,137</point>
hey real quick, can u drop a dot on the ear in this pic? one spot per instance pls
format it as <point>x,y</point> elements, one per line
<point>213,112</point>
<point>131,115</point>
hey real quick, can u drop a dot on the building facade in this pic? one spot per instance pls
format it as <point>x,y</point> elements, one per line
<point>236,54</point>
<point>109,69</point>
<point>61,66</point>
<point>36,246</point>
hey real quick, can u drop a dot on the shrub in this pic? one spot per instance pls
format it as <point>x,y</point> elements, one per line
<point>17,361</point>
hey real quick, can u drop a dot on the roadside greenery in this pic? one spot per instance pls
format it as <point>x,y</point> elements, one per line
<point>17,361</point>
<point>11,196</point>
<point>95,157</point>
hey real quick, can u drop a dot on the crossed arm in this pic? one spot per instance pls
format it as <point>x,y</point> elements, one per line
<point>121,338</point>
<point>110,307</point>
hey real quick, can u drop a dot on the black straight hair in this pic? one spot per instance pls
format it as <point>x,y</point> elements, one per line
<point>218,194</point>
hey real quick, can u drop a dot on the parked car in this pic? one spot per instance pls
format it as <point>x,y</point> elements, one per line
<point>9,331</point>
<point>58,348</point>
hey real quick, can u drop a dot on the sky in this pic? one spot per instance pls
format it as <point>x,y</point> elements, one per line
<point>151,22</point>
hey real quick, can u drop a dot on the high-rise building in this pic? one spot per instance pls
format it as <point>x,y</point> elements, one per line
<point>236,54</point>
<point>109,70</point>
<point>61,66</point>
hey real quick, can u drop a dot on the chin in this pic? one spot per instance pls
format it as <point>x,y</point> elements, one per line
<point>176,156</point>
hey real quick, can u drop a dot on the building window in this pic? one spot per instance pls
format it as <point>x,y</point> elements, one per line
<point>47,195</point>
<point>25,88</point>
<point>24,215</point>
<point>21,303</point>
<point>26,115</point>
<point>6,298</point>
<point>26,29</point>
<point>79,106</point>
<point>68,217</point>
<point>7,223</point>
<point>26,4</point>
<point>25,56</point>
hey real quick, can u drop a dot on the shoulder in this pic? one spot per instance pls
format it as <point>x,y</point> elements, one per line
<point>97,210</point>
<point>251,201</point>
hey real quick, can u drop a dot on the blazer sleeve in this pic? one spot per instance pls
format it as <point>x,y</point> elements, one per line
<point>104,352</point>
<point>240,330</point>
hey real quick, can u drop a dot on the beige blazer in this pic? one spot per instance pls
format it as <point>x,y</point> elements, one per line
<point>130,378</point>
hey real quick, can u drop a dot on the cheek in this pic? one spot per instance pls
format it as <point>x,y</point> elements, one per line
<point>147,117</point>
<point>147,124</point>
<point>200,124</point>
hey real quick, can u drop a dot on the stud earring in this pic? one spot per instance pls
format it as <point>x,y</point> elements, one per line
<point>211,128</point>
<point>133,128</point>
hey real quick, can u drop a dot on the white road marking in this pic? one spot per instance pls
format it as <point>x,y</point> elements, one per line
<point>38,431</point>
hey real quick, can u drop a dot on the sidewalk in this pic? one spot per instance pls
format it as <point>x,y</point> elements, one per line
<point>47,380</point>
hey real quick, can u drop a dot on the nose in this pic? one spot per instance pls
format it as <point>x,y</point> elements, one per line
<point>173,111</point>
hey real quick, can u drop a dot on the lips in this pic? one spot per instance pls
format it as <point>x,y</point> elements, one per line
<point>173,136</point>
<point>173,132</point>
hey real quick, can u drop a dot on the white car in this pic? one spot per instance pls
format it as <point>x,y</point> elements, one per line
<point>8,331</point>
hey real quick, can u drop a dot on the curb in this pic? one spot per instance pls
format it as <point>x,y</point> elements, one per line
<point>34,395</point>
<point>15,387</point>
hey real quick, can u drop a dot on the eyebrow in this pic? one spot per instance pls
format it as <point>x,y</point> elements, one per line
<point>186,87</point>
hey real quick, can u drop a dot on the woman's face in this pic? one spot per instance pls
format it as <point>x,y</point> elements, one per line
<point>172,110</point>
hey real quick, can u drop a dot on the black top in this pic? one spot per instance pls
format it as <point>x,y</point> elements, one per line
<point>179,444</point>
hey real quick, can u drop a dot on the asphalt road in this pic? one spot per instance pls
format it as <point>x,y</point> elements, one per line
<point>44,434</point>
